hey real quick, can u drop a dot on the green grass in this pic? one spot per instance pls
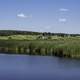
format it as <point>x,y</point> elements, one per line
<point>28,44</point>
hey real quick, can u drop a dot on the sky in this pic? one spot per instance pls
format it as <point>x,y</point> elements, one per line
<point>60,16</point>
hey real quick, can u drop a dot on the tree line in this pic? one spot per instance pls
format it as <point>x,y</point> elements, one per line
<point>17,32</point>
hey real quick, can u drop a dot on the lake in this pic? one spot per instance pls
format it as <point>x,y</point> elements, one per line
<point>24,67</point>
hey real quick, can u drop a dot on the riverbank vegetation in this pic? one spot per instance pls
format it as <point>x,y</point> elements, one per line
<point>45,44</point>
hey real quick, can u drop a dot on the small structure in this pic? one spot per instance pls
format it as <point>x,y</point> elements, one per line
<point>42,37</point>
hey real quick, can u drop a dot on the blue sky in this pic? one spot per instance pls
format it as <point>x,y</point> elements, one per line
<point>40,15</point>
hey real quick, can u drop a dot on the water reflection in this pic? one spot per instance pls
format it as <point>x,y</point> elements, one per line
<point>69,63</point>
<point>26,50</point>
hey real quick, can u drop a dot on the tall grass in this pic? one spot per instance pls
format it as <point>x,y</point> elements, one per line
<point>66,47</point>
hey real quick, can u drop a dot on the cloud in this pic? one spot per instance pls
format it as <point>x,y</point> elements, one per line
<point>63,9</point>
<point>62,20</point>
<point>21,15</point>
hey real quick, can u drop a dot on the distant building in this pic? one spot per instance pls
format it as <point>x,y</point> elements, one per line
<point>42,37</point>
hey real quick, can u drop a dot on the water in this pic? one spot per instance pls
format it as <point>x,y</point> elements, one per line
<point>22,67</point>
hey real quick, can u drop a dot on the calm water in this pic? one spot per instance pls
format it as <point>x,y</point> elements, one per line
<point>21,67</point>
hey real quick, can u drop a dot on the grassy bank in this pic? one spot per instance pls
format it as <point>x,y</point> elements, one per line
<point>57,46</point>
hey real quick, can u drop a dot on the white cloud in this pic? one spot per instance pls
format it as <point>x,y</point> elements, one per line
<point>21,15</point>
<point>62,20</point>
<point>63,9</point>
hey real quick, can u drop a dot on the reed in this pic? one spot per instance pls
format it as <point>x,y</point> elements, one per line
<point>69,48</point>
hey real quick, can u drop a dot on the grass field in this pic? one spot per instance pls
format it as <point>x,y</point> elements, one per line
<point>35,45</point>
